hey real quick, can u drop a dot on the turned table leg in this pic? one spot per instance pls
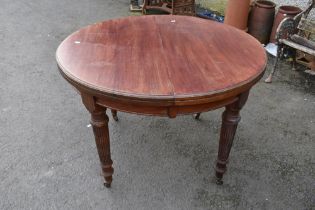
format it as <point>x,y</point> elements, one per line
<point>99,122</point>
<point>230,120</point>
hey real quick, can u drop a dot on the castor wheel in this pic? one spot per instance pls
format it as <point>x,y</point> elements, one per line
<point>107,185</point>
<point>115,118</point>
<point>197,116</point>
<point>219,181</point>
<point>114,114</point>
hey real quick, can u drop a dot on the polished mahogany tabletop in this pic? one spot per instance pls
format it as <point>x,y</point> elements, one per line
<point>162,65</point>
<point>161,57</point>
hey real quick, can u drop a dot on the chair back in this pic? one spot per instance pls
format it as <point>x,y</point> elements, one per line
<point>154,2</point>
<point>184,7</point>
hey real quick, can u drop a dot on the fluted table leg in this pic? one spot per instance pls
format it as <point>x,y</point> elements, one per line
<point>99,122</point>
<point>230,120</point>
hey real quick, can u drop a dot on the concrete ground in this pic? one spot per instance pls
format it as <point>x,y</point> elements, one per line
<point>48,158</point>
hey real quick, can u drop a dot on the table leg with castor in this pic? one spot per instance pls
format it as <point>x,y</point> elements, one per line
<point>99,122</point>
<point>230,119</point>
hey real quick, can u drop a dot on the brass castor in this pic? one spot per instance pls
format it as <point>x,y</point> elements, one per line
<point>219,181</point>
<point>107,185</point>
<point>197,116</point>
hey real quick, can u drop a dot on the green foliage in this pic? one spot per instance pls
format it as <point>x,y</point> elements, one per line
<point>215,5</point>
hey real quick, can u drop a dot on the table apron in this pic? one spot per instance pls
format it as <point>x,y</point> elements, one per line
<point>157,110</point>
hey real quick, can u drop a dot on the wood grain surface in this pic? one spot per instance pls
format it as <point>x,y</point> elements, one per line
<point>162,57</point>
<point>164,66</point>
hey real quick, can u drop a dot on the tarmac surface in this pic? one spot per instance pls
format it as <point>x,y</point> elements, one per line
<point>48,157</point>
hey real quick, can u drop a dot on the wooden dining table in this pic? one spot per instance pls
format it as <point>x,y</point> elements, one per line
<point>162,65</point>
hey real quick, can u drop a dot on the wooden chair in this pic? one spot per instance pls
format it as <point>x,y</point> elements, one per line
<point>174,7</point>
<point>294,33</point>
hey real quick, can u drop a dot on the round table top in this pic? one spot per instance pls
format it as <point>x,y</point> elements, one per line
<point>161,57</point>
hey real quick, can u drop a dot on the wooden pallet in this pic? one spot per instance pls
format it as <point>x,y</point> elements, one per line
<point>303,58</point>
<point>307,61</point>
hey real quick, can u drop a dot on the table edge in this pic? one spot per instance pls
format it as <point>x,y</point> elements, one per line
<point>175,99</point>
